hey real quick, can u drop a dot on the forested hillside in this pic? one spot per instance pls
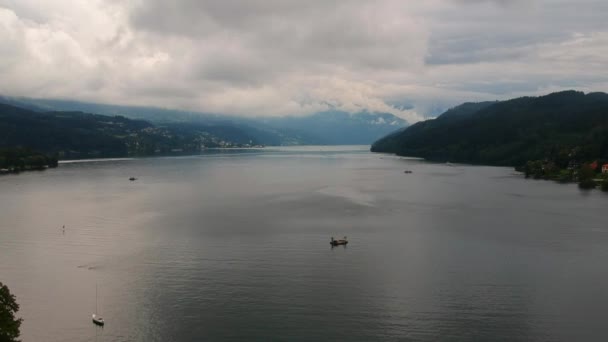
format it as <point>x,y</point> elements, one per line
<point>563,127</point>
<point>80,135</point>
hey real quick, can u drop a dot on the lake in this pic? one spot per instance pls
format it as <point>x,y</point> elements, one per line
<point>234,245</point>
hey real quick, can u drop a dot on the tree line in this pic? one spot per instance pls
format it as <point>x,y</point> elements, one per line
<point>22,159</point>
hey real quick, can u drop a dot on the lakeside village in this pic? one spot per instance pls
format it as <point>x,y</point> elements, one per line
<point>217,146</point>
<point>588,175</point>
<point>166,142</point>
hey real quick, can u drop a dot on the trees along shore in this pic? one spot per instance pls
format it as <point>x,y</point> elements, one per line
<point>19,159</point>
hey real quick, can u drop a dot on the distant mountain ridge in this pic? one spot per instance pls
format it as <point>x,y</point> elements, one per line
<point>83,135</point>
<point>565,126</point>
<point>324,128</point>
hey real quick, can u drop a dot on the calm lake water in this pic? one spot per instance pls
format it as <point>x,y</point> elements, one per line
<point>235,246</point>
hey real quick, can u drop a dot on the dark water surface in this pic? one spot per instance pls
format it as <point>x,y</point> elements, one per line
<point>235,246</point>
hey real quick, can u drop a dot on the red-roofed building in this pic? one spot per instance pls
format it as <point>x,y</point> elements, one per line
<point>605,168</point>
<point>594,165</point>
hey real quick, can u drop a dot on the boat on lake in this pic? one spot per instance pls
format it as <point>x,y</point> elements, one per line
<point>338,242</point>
<point>98,320</point>
<point>132,178</point>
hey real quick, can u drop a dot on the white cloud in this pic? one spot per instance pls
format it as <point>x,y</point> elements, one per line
<point>280,57</point>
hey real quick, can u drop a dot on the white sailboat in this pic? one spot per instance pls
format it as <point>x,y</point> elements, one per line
<point>97,319</point>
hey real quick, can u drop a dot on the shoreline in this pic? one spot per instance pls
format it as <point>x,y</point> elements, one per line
<point>592,183</point>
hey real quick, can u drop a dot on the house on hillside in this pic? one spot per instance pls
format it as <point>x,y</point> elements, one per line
<point>605,168</point>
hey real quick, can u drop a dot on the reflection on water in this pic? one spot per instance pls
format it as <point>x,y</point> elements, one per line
<point>235,246</point>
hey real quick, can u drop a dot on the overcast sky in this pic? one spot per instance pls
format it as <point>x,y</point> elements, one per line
<point>280,57</point>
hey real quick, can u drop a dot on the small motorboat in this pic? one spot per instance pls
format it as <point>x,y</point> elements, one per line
<point>98,320</point>
<point>338,242</point>
<point>407,171</point>
<point>132,178</point>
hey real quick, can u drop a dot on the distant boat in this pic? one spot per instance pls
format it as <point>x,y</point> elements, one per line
<point>407,171</point>
<point>98,320</point>
<point>132,178</point>
<point>338,242</point>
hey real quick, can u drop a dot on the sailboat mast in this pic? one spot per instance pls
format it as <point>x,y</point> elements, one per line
<point>96,299</point>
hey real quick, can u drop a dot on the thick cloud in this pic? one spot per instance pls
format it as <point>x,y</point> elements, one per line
<point>280,57</point>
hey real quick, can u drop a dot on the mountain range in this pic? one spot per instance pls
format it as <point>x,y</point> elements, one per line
<point>331,127</point>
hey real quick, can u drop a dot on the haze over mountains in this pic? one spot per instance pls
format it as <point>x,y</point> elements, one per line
<point>348,72</point>
<point>70,129</point>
